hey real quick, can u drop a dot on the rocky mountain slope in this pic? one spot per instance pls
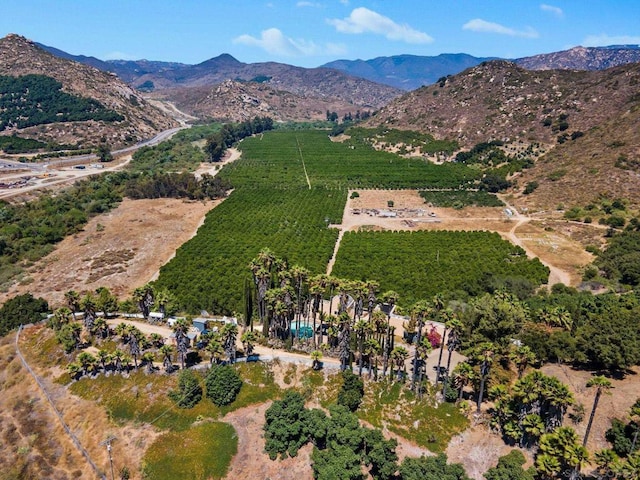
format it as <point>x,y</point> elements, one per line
<point>407,72</point>
<point>238,101</point>
<point>589,122</point>
<point>581,58</point>
<point>19,56</point>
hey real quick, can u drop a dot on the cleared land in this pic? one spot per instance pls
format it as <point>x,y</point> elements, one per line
<point>121,250</point>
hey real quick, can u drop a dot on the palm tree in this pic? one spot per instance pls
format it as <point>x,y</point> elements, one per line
<point>117,358</point>
<point>390,298</point>
<point>248,339</point>
<point>87,362</point>
<point>143,296</point>
<point>485,367</point>
<point>103,358</point>
<point>135,336</point>
<point>603,385</point>
<point>344,340</point>
<point>73,301</point>
<point>229,335</point>
<point>317,287</point>
<point>147,360</point>
<point>362,328</point>
<point>372,352</point>
<point>61,316</point>
<point>75,370</point>
<point>180,329</point>
<point>88,306</point>
<point>316,356</point>
<point>167,352</point>
<point>101,327</point>
<point>419,312</point>
<point>453,342</point>
<point>300,276</point>
<point>76,329</point>
<point>522,356</point>
<point>447,316</point>
<point>399,357</point>
<point>215,348</point>
<point>156,340</point>
<point>462,376</point>
<point>607,462</point>
<point>163,298</point>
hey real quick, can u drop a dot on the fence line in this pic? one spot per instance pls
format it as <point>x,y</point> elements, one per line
<point>72,435</point>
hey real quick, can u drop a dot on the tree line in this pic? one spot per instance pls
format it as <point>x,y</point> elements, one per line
<point>229,134</point>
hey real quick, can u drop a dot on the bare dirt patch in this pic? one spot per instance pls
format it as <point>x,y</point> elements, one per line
<point>251,461</point>
<point>120,250</point>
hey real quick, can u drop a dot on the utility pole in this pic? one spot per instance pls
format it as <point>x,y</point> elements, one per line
<point>108,442</point>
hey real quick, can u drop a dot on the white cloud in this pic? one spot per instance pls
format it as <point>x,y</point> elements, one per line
<point>120,56</point>
<point>604,40</point>
<point>482,26</point>
<point>274,42</point>
<point>309,4</point>
<point>557,11</point>
<point>363,20</point>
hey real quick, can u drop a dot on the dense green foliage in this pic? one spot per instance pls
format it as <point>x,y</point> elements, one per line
<point>510,468</point>
<point>596,330</point>
<point>223,384</point>
<point>209,271</point>
<point>230,133</point>
<point>21,310</point>
<point>189,392</point>
<point>169,156</point>
<point>431,468</point>
<point>176,185</point>
<point>351,391</point>
<point>286,426</point>
<point>621,260</point>
<point>439,261</point>
<point>14,144</point>
<point>461,198</point>
<point>280,159</point>
<point>37,99</point>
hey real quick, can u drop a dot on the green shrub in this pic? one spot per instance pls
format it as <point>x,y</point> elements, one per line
<point>223,385</point>
<point>530,187</point>
<point>189,391</point>
<point>352,391</point>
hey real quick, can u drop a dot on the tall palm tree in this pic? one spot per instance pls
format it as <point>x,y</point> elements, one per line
<point>419,313</point>
<point>453,342</point>
<point>362,328</point>
<point>101,328</point>
<point>462,375</point>
<point>87,362</point>
<point>163,299</point>
<point>317,287</point>
<point>248,339</point>
<point>117,357</point>
<point>73,301</point>
<point>446,317</point>
<point>103,357</point>
<point>88,306</point>
<point>144,298</point>
<point>180,329</point>
<point>299,275</point>
<point>372,352</point>
<point>135,336</point>
<point>485,367</point>
<point>76,330</point>
<point>522,356</point>
<point>147,360</point>
<point>229,334</point>
<point>399,357</point>
<point>390,298</point>
<point>61,316</point>
<point>215,349</point>
<point>167,352</point>
<point>344,340</point>
<point>603,385</point>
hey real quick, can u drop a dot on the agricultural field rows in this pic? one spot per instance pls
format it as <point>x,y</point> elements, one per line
<point>423,263</point>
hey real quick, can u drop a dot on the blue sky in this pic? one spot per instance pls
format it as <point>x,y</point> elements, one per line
<point>312,32</point>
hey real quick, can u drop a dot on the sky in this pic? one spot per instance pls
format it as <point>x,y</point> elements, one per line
<point>309,33</point>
